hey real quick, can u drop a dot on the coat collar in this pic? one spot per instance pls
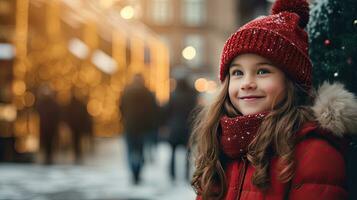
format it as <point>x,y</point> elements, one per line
<point>335,109</point>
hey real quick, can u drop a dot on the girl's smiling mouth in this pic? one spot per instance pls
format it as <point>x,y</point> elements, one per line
<point>250,98</point>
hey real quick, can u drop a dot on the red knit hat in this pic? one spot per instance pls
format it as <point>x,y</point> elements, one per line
<point>279,37</point>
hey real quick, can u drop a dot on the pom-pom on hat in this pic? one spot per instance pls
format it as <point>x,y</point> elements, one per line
<point>279,37</point>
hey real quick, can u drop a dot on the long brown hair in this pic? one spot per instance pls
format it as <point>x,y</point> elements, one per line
<point>274,138</point>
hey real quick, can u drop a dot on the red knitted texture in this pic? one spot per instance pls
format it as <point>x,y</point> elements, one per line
<point>238,132</point>
<point>277,37</point>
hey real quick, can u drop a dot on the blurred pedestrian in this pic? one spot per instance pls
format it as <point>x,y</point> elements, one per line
<point>80,123</point>
<point>49,113</point>
<point>181,104</point>
<point>139,117</point>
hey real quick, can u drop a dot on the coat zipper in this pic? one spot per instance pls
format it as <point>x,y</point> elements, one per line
<point>241,177</point>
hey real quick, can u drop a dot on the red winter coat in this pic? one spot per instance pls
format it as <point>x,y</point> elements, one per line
<point>320,172</point>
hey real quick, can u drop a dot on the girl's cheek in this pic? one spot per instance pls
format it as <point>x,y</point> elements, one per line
<point>275,89</point>
<point>230,93</point>
<point>269,87</point>
<point>233,88</point>
<point>274,85</point>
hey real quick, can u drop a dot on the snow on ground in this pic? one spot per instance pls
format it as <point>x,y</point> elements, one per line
<point>104,175</point>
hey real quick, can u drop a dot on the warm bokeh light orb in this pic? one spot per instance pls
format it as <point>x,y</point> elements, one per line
<point>19,87</point>
<point>29,99</point>
<point>201,85</point>
<point>94,107</point>
<point>127,12</point>
<point>189,53</point>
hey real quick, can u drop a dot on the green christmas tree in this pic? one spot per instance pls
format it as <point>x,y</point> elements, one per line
<point>333,42</point>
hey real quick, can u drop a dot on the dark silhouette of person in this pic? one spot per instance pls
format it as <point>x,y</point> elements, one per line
<point>80,123</point>
<point>178,111</point>
<point>139,117</point>
<point>49,113</point>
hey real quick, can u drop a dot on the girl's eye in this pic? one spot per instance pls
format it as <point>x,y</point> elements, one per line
<point>263,71</point>
<point>237,73</point>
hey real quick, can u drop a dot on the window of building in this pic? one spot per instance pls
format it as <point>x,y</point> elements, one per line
<point>161,11</point>
<point>194,12</point>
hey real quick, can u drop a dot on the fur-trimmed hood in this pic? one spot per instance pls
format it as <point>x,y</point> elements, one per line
<point>336,109</point>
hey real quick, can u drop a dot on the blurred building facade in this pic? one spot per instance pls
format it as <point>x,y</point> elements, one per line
<point>80,49</point>
<point>202,24</point>
<point>7,110</point>
<point>194,30</point>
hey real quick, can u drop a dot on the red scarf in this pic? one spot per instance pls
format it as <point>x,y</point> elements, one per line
<point>238,132</point>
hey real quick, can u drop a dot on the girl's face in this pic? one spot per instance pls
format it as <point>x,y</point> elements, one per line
<point>255,85</point>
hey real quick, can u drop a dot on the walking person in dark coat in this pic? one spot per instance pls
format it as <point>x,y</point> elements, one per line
<point>80,123</point>
<point>49,113</point>
<point>182,101</point>
<point>139,117</point>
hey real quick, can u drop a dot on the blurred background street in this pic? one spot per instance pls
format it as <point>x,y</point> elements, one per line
<point>100,177</point>
<point>97,97</point>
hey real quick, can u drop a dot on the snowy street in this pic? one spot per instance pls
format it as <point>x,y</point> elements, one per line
<point>103,176</point>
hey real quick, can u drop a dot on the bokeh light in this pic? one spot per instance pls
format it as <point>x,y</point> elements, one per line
<point>94,107</point>
<point>127,12</point>
<point>201,85</point>
<point>29,99</point>
<point>189,53</point>
<point>19,87</point>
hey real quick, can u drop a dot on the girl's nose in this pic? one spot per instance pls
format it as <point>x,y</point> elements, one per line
<point>248,84</point>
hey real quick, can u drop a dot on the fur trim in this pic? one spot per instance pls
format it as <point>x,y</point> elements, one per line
<point>336,109</point>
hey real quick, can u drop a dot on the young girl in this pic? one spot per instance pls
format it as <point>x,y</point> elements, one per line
<point>261,138</point>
